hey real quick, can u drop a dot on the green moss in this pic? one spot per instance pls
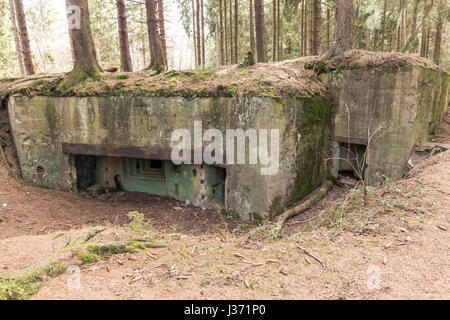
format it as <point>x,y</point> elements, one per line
<point>88,257</point>
<point>314,130</point>
<point>22,285</point>
<point>256,217</point>
<point>276,207</point>
<point>122,76</point>
<point>94,252</point>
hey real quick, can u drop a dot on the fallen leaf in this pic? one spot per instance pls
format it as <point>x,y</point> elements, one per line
<point>442,228</point>
<point>307,260</point>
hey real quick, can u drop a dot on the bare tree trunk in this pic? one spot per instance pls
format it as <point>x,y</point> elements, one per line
<point>367,39</point>
<point>156,53</point>
<point>259,25</point>
<point>311,28</point>
<point>317,25</point>
<point>231,33</point>
<point>279,33</point>
<point>302,28</point>
<point>23,36</point>
<point>328,25</point>
<point>143,44</point>
<point>438,38</point>
<point>226,31</point>
<point>85,57</point>
<point>383,27</point>
<point>236,24</point>
<point>342,29</point>
<point>194,34</point>
<point>16,38</point>
<point>274,30</point>
<point>252,30</point>
<point>404,31</point>
<point>221,33</point>
<point>125,57</point>
<point>427,48</point>
<point>305,35</point>
<point>162,30</point>
<point>203,34</point>
<point>424,32</point>
<point>197,25</point>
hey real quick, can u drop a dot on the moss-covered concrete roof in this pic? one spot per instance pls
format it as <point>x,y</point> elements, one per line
<point>358,59</point>
<point>289,78</point>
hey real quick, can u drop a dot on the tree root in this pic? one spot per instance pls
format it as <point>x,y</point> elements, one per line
<point>312,200</point>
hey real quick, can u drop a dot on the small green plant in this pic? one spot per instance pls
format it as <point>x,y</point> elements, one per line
<point>139,226</point>
<point>205,282</point>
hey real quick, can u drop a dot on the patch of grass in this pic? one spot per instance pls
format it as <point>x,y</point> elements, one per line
<point>122,76</point>
<point>139,226</point>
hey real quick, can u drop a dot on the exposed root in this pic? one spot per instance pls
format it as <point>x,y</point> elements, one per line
<point>312,200</point>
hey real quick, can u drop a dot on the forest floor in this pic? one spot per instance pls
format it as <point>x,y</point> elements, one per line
<point>390,243</point>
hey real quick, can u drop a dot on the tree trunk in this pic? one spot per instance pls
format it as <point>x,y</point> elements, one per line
<point>279,33</point>
<point>328,25</point>
<point>197,25</point>
<point>302,28</point>
<point>85,57</point>
<point>226,30</point>
<point>231,33</point>
<point>311,28</point>
<point>383,27</point>
<point>16,38</point>
<point>259,25</point>
<point>252,30</point>
<point>162,30</point>
<point>125,57</point>
<point>424,32</point>
<point>156,52</point>
<point>203,35</point>
<point>221,33</point>
<point>317,25</point>
<point>236,24</point>
<point>194,34</point>
<point>427,48</point>
<point>23,36</point>
<point>404,31</point>
<point>143,44</point>
<point>274,30</point>
<point>342,29</point>
<point>438,38</point>
<point>305,35</point>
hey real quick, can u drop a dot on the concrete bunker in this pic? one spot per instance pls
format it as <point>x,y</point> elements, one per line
<point>118,137</point>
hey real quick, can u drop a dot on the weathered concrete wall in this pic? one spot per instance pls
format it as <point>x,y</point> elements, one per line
<point>391,110</point>
<point>47,130</point>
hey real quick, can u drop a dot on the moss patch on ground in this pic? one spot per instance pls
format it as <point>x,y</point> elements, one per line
<point>23,284</point>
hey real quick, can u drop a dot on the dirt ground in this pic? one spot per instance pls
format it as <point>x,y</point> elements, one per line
<point>392,243</point>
